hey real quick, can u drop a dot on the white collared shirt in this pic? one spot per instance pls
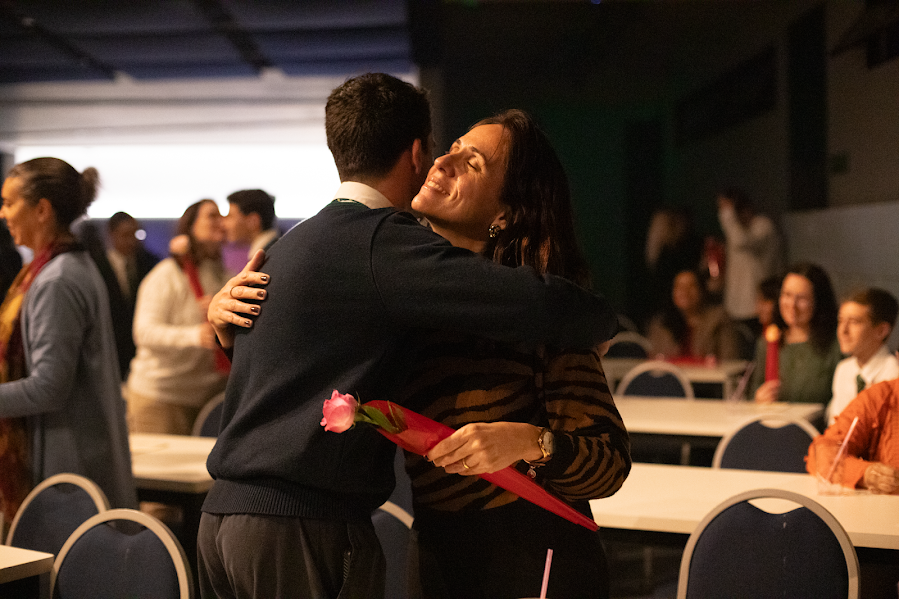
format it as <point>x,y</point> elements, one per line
<point>883,366</point>
<point>362,193</point>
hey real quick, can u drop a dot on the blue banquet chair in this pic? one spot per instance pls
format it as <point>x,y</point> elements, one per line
<point>771,442</point>
<point>740,551</point>
<point>393,525</point>
<point>628,344</point>
<point>53,510</point>
<point>121,553</point>
<point>656,378</point>
<point>209,420</point>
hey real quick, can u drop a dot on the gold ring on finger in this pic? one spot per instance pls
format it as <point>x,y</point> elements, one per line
<point>464,465</point>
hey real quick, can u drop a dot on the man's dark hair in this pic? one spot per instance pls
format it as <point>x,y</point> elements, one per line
<point>117,220</point>
<point>882,305</point>
<point>371,120</point>
<point>256,201</point>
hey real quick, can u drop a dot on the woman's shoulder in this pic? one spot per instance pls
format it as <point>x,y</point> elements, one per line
<point>75,267</point>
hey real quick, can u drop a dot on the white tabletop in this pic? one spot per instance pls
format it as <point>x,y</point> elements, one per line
<point>675,499</point>
<point>171,462</point>
<point>723,371</point>
<point>17,563</point>
<point>699,417</point>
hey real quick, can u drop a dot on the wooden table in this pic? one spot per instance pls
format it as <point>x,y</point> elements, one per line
<point>20,571</point>
<point>674,499</point>
<point>726,373</point>
<point>172,469</point>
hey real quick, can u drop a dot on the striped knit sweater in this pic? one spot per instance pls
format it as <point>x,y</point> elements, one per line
<point>459,380</point>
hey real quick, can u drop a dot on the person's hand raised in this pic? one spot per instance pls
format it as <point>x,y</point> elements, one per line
<point>226,307</point>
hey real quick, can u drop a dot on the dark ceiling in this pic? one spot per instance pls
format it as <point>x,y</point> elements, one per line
<point>69,40</point>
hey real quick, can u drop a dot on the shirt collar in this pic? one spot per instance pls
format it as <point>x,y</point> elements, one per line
<point>362,193</point>
<point>873,366</point>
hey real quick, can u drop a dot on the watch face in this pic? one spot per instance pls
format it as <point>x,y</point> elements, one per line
<point>547,438</point>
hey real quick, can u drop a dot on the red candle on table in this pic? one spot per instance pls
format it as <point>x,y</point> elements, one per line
<point>772,355</point>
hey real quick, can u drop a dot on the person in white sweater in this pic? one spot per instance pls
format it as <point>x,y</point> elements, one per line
<point>175,371</point>
<point>865,322</point>
<point>753,253</point>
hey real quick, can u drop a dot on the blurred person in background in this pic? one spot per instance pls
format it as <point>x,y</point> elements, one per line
<point>251,219</point>
<point>808,350</point>
<point>753,252</point>
<point>690,326</point>
<point>61,408</point>
<point>176,369</point>
<point>672,245</point>
<point>10,259</point>
<point>130,262</point>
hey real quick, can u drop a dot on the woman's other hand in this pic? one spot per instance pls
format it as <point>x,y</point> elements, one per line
<point>226,307</point>
<point>768,392</point>
<point>880,478</point>
<point>486,447</point>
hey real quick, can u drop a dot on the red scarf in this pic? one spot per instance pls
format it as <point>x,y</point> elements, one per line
<point>222,363</point>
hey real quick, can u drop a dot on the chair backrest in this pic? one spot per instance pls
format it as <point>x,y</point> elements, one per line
<point>393,525</point>
<point>628,344</point>
<point>402,491</point>
<point>740,550</point>
<point>656,378</point>
<point>209,420</point>
<point>122,553</point>
<point>773,442</point>
<point>53,510</point>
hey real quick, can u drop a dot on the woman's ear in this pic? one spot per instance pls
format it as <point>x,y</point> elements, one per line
<point>500,220</point>
<point>45,210</point>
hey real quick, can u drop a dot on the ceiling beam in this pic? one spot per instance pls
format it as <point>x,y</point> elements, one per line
<point>222,22</point>
<point>30,27</point>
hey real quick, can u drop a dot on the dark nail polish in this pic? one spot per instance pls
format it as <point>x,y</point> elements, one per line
<point>254,310</point>
<point>260,294</point>
<point>248,322</point>
<point>264,278</point>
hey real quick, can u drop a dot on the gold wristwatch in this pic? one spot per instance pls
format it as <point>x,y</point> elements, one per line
<point>545,442</point>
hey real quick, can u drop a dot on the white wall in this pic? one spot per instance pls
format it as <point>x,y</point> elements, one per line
<point>858,246</point>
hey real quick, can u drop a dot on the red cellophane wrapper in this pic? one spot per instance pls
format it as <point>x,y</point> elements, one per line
<point>422,433</point>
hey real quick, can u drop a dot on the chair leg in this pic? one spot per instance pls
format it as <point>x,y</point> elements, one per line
<point>685,454</point>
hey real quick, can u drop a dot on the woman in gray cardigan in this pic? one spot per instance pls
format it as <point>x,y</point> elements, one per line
<point>60,400</point>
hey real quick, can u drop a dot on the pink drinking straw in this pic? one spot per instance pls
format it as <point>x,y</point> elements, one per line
<point>549,561</point>
<point>842,449</point>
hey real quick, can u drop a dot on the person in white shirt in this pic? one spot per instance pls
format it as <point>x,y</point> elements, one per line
<point>865,322</point>
<point>753,253</point>
<point>250,219</point>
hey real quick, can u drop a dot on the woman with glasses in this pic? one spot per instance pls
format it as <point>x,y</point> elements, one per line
<point>808,348</point>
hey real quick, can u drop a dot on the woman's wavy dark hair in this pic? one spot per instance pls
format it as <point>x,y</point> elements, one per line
<point>540,220</point>
<point>672,318</point>
<point>823,326</point>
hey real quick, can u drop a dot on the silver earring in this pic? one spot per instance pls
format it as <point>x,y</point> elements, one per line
<point>493,231</point>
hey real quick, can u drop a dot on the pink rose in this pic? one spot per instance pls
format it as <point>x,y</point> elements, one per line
<point>339,412</point>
